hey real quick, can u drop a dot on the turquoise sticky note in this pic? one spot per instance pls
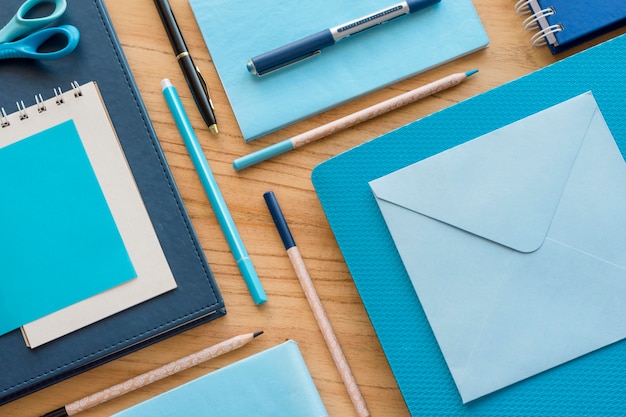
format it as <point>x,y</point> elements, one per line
<point>59,243</point>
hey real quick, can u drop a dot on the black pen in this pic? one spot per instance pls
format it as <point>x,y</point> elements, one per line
<point>194,78</point>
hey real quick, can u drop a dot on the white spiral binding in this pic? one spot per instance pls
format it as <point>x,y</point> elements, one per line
<point>4,120</point>
<point>535,20</point>
<point>532,22</point>
<point>40,104</point>
<point>522,7</point>
<point>21,110</point>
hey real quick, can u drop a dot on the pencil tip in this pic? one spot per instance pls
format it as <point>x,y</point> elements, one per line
<point>259,333</point>
<point>470,73</point>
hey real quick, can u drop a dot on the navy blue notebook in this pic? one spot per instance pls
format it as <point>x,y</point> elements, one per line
<point>590,385</point>
<point>562,24</point>
<point>197,299</point>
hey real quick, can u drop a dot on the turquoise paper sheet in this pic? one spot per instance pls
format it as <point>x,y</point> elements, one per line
<point>58,241</point>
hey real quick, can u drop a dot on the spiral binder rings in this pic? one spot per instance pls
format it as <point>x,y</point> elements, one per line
<point>562,24</point>
<point>83,106</point>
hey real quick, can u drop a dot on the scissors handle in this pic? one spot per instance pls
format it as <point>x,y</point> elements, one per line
<point>20,24</point>
<point>28,47</point>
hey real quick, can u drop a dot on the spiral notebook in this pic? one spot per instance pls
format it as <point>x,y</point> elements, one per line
<point>53,136</point>
<point>196,298</point>
<point>590,385</point>
<point>562,24</point>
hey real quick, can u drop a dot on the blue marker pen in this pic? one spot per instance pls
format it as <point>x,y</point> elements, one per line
<point>213,193</point>
<point>313,44</point>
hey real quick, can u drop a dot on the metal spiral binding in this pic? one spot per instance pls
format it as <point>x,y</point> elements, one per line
<point>76,88</point>
<point>4,120</point>
<point>58,94</point>
<point>41,106</point>
<point>40,103</point>
<point>532,23</point>
<point>522,7</point>
<point>21,109</point>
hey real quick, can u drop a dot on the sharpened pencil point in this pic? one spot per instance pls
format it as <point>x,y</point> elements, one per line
<point>472,72</point>
<point>256,334</point>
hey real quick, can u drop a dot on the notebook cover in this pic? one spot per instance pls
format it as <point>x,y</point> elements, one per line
<point>273,383</point>
<point>235,31</point>
<point>582,20</point>
<point>590,385</point>
<point>197,299</point>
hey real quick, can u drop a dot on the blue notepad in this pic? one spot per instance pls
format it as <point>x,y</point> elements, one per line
<point>273,383</point>
<point>567,23</point>
<point>590,385</point>
<point>235,31</point>
<point>59,242</point>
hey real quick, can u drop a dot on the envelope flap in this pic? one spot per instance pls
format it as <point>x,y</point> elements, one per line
<point>504,186</point>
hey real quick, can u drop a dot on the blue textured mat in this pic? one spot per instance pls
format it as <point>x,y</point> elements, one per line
<point>592,385</point>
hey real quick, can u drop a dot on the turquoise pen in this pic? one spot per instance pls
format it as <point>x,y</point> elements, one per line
<point>213,192</point>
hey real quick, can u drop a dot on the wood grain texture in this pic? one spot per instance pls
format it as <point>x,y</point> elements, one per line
<point>286,315</point>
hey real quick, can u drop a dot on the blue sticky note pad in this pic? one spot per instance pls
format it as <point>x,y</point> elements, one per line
<point>59,243</point>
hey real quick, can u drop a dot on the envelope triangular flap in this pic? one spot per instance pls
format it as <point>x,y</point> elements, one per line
<point>504,186</point>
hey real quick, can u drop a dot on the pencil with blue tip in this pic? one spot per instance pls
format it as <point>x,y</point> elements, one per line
<point>351,120</point>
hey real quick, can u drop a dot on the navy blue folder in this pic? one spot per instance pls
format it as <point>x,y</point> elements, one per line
<point>197,299</point>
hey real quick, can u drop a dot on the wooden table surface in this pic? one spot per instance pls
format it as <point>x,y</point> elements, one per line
<point>287,314</point>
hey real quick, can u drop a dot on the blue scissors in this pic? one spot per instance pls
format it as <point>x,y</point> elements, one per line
<point>14,45</point>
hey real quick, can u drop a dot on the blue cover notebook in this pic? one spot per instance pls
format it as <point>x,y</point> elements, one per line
<point>99,57</point>
<point>235,31</point>
<point>272,383</point>
<point>590,385</point>
<point>567,23</point>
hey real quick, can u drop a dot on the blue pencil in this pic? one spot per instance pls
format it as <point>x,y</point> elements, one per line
<point>213,193</point>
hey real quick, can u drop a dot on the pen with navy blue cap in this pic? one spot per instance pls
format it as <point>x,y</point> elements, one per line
<point>192,74</point>
<point>312,45</point>
<point>213,192</point>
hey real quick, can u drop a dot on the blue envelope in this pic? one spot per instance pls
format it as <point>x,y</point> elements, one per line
<point>514,243</point>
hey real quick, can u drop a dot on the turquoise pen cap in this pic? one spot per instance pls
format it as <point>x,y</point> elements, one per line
<point>250,277</point>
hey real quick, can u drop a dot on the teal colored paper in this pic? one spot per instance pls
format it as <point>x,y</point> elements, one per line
<point>235,31</point>
<point>272,383</point>
<point>59,243</point>
<point>514,243</point>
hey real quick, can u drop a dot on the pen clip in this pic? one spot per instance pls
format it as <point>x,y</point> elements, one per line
<point>204,86</point>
